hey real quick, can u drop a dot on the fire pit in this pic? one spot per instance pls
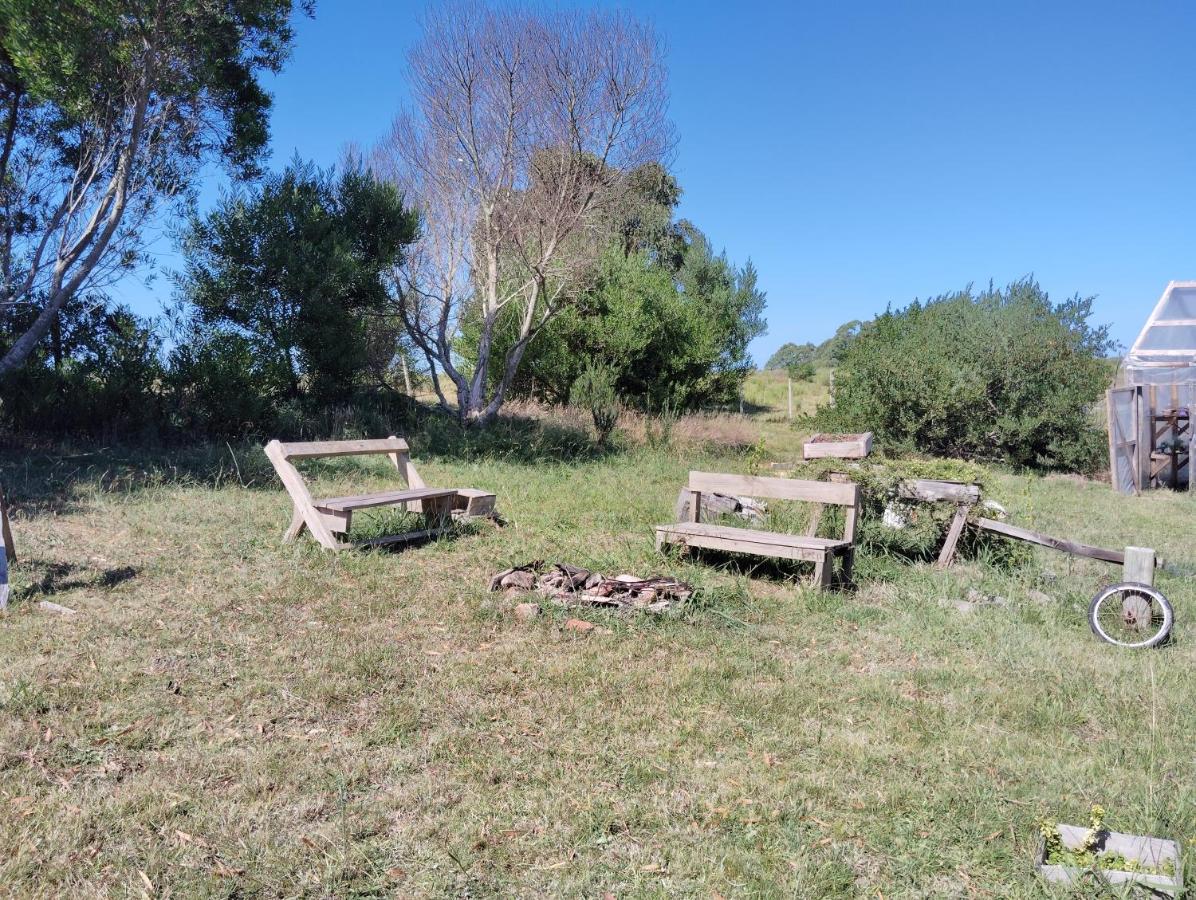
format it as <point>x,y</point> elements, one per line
<point>573,586</point>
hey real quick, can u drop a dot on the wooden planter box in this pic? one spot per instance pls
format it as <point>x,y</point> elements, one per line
<point>838,446</point>
<point>1154,852</point>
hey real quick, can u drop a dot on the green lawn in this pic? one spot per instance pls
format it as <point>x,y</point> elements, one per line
<point>226,716</point>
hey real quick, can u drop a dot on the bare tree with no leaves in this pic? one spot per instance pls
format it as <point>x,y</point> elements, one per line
<point>523,128</point>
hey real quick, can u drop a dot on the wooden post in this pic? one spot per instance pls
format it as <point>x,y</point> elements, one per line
<point>1139,565</point>
<point>791,398</point>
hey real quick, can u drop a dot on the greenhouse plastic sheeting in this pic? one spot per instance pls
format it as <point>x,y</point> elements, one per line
<point>1165,351</point>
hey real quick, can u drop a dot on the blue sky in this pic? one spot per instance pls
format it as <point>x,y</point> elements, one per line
<point>863,154</point>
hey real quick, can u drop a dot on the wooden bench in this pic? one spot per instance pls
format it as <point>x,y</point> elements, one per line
<point>820,551</point>
<point>326,518</point>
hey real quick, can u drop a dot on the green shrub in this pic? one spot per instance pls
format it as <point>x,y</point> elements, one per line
<point>924,525</point>
<point>658,430</point>
<point>1002,376</point>
<point>802,371</point>
<point>594,390</point>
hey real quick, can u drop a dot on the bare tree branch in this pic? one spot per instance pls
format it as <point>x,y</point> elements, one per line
<point>523,127</point>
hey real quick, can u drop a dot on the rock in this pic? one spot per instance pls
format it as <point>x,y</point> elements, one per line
<point>964,606</point>
<point>1040,598</point>
<point>48,606</point>
<point>579,625</point>
<point>525,612</point>
<point>521,579</point>
<point>893,518</point>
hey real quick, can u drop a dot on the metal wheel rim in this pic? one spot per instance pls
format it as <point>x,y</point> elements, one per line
<point>1161,618</point>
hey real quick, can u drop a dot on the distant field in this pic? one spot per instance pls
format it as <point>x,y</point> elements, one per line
<point>230,717</point>
<point>769,389</point>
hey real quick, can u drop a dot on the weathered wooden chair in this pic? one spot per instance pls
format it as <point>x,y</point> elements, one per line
<point>333,516</point>
<point>821,551</point>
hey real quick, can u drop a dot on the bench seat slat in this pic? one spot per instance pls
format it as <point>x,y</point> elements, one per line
<point>748,540</point>
<point>382,498</point>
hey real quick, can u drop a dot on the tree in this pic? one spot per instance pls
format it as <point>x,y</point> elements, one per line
<point>669,318</point>
<point>1003,375</point>
<point>789,355</point>
<point>108,109</point>
<point>297,268</point>
<point>524,127</point>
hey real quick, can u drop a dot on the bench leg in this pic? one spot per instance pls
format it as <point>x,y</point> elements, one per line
<point>295,528</point>
<point>824,573</point>
<point>438,513</point>
<point>848,562</point>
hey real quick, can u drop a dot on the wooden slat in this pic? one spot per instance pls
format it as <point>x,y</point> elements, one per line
<point>751,535</point>
<point>947,554</point>
<point>1045,540</point>
<point>311,449</point>
<point>776,488</point>
<point>301,497</point>
<point>931,491</point>
<point>729,545</point>
<point>382,498</point>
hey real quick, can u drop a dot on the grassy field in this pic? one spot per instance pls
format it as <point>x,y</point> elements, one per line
<point>226,716</point>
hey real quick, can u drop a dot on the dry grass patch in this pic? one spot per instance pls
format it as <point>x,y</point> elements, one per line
<point>228,716</point>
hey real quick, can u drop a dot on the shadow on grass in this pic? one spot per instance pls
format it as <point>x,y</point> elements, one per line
<point>50,480</point>
<point>57,577</point>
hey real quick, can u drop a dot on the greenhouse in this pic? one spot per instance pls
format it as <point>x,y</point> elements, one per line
<point>1150,436</point>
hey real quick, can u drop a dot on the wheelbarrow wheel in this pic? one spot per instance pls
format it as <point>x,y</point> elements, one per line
<point>1131,615</point>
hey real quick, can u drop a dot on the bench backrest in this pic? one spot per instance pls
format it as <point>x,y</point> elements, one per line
<point>823,493</point>
<point>313,449</point>
<point>283,457</point>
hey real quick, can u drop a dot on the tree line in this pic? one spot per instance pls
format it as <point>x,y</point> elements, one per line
<point>516,228</point>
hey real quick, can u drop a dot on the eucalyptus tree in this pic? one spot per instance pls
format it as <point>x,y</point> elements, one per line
<point>108,110</point>
<point>523,128</point>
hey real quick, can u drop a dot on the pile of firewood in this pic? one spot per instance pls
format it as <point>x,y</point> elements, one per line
<point>569,585</point>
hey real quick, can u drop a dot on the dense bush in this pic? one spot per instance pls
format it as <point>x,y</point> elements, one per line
<point>1003,375</point>
<point>293,274</point>
<point>97,373</point>
<point>923,526</point>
